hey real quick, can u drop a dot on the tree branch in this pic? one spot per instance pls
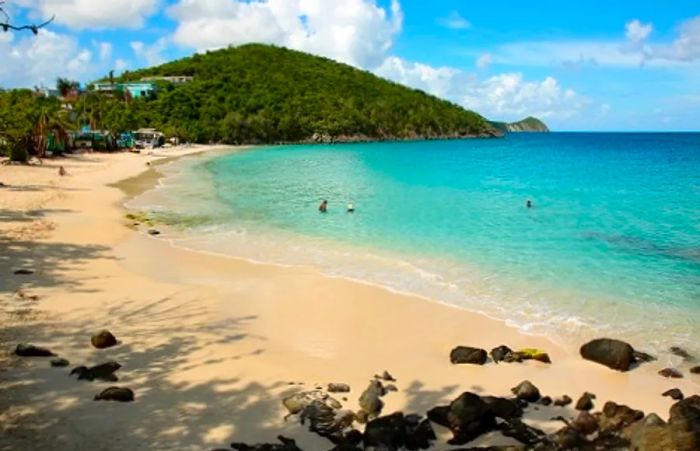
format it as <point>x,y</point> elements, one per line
<point>7,26</point>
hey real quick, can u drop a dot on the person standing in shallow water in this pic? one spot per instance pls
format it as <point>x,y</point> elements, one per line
<point>323,207</point>
<point>528,204</point>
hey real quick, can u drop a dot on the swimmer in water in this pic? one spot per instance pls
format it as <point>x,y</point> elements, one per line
<point>351,208</point>
<point>528,204</point>
<point>323,207</point>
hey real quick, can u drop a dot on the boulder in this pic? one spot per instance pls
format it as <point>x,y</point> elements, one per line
<point>563,401</point>
<point>326,421</point>
<point>103,339</point>
<point>120,394</point>
<point>419,432</point>
<point>466,354</point>
<point>585,423</point>
<point>534,354</point>
<point>682,353</point>
<point>469,417</point>
<point>370,402</point>
<point>499,353</point>
<point>526,391</point>
<point>612,353</point>
<point>671,373</point>
<point>515,428</point>
<point>651,433</point>
<point>503,408</point>
<point>24,272</point>
<point>386,433</point>
<point>684,424</point>
<point>546,401</point>
<point>338,388</point>
<point>385,376</point>
<point>153,232</point>
<point>695,370</point>
<point>438,415</point>
<point>674,394</point>
<point>615,417</point>
<point>59,363</point>
<point>297,402</point>
<point>25,350</point>
<point>286,444</point>
<point>104,372</point>
<point>585,402</point>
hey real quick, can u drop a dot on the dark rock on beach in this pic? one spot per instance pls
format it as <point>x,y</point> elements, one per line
<point>526,391</point>
<point>396,431</point>
<point>520,431</point>
<point>563,401</point>
<point>503,408</point>
<point>467,354</point>
<point>546,401</point>
<point>612,353</point>
<point>469,417</point>
<point>297,402</point>
<point>25,350</point>
<point>385,376</point>
<point>103,339</point>
<point>23,272</point>
<point>615,417</point>
<point>674,394</point>
<point>585,423</point>
<point>370,402</point>
<point>695,370</point>
<point>671,373</point>
<point>104,372</point>
<point>684,424</point>
<point>327,421</point>
<point>651,433</point>
<point>153,232</point>
<point>338,388</point>
<point>59,363</point>
<point>499,353</point>
<point>585,402</point>
<point>120,394</point>
<point>286,444</point>
<point>680,352</point>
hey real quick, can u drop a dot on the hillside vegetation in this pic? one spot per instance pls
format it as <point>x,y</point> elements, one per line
<point>261,93</point>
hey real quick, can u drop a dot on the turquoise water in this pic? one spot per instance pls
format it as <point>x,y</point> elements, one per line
<point>611,245</point>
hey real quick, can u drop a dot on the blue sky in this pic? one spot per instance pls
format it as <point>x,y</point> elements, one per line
<point>580,66</point>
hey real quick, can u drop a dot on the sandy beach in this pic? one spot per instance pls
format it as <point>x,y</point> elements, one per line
<point>211,345</point>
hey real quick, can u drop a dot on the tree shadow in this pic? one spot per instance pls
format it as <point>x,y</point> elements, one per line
<point>48,261</point>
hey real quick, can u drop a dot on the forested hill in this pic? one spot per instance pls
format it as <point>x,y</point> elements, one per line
<point>261,93</point>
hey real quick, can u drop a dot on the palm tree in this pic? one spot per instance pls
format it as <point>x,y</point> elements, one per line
<point>49,122</point>
<point>66,86</point>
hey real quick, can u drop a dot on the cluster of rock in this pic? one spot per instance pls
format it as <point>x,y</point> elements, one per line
<point>502,353</point>
<point>104,372</point>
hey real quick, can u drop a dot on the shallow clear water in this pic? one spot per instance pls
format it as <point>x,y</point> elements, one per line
<point>611,245</point>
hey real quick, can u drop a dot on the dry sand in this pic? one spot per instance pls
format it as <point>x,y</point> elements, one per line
<point>210,345</point>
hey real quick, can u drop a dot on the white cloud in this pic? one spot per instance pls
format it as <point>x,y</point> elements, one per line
<point>120,65</point>
<point>637,32</point>
<point>484,61</point>
<point>604,109</point>
<point>151,54</point>
<point>34,60</point>
<point>357,32</point>
<point>455,21</point>
<point>685,48</point>
<point>90,14</point>
<point>506,96</point>
<point>105,50</point>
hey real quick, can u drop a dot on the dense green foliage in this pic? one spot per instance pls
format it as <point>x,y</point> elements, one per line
<point>26,121</point>
<point>261,93</point>
<point>529,124</point>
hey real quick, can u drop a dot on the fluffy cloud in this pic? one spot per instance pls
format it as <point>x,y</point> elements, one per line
<point>87,14</point>
<point>484,61</point>
<point>357,32</point>
<point>637,31</point>
<point>151,54</point>
<point>685,48</point>
<point>506,96</point>
<point>35,60</point>
<point>455,21</point>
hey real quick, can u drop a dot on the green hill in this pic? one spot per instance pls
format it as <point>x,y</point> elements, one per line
<point>260,93</point>
<point>529,124</point>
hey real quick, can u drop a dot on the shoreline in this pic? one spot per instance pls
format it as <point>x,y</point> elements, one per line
<point>210,344</point>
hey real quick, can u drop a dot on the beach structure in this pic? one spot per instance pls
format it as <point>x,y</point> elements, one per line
<point>147,138</point>
<point>175,79</point>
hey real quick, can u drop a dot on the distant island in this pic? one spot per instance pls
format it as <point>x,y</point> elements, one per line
<point>529,124</point>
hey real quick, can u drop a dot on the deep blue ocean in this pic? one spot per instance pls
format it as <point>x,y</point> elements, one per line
<point>610,246</point>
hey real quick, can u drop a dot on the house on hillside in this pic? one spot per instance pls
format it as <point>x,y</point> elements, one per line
<point>174,79</point>
<point>136,89</point>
